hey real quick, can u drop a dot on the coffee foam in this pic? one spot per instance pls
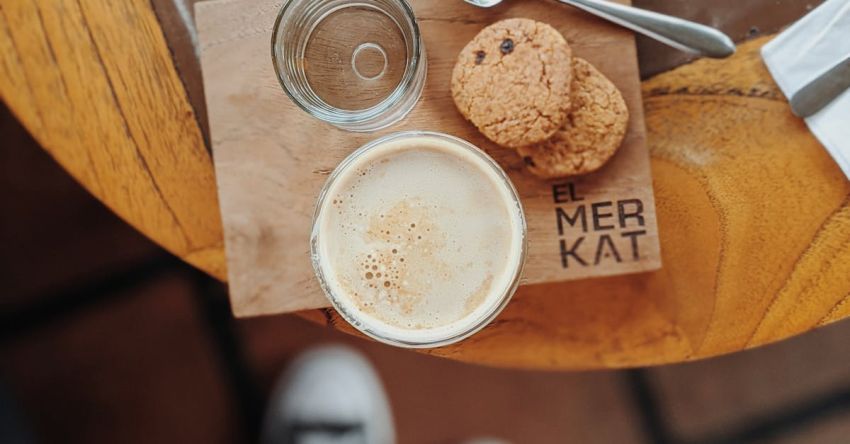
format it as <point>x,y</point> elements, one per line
<point>420,239</point>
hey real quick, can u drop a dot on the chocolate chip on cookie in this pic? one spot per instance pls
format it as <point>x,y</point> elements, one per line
<point>512,81</point>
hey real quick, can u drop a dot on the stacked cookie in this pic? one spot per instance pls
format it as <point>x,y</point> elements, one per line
<point>519,84</point>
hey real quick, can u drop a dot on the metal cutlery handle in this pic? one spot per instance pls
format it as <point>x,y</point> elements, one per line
<point>821,91</point>
<point>678,33</point>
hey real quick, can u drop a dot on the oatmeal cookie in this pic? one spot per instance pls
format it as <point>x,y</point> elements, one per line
<point>594,130</point>
<point>512,81</point>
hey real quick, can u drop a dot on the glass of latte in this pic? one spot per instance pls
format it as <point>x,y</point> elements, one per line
<point>418,239</point>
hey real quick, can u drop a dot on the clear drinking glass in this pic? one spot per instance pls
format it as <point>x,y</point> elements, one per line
<point>340,299</point>
<point>359,65</point>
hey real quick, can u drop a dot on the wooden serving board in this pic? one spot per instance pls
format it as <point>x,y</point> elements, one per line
<point>271,158</point>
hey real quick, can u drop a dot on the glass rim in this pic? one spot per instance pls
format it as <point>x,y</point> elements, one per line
<point>484,319</point>
<point>347,118</point>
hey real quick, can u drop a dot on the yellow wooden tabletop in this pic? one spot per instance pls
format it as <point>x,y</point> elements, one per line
<point>754,216</point>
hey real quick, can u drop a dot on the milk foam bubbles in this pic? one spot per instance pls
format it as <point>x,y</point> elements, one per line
<point>419,239</point>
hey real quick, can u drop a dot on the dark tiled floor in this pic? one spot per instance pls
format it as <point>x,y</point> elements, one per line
<point>831,429</point>
<point>729,392</point>
<point>136,368</point>
<point>103,338</point>
<point>441,401</point>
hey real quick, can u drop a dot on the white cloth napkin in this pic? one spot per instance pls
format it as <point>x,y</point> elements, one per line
<point>807,49</point>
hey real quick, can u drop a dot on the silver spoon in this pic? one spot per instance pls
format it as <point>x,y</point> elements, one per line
<point>678,33</point>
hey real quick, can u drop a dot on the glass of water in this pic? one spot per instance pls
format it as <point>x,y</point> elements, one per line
<point>357,64</point>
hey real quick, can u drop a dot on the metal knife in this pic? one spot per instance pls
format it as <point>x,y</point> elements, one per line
<point>822,90</point>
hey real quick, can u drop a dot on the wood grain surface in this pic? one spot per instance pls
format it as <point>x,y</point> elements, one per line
<point>754,216</point>
<point>94,83</point>
<point>272,159</point>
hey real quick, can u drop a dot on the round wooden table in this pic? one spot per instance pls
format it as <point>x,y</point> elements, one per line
<point>754,216</point>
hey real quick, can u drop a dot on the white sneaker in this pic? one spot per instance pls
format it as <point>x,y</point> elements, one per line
<point>329,395</point>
